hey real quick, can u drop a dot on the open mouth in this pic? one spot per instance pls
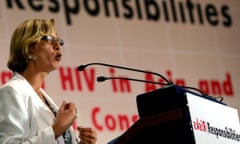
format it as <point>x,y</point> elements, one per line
<point>58,57</point>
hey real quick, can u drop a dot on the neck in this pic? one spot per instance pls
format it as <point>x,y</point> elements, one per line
<point>36,80</point>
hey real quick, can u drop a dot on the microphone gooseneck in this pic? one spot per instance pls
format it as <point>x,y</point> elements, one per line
<point>103,78</point>
<point>82,67</point>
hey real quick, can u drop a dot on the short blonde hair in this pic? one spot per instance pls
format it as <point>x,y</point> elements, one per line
<point>23,38</point>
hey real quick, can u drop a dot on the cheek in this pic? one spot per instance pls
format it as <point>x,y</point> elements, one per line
<point>45,52</point>
<point>46,55</point>
<point>49,56</point>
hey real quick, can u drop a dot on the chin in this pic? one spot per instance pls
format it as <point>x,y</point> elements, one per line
<point>56,65</point>
<point>53,68</point>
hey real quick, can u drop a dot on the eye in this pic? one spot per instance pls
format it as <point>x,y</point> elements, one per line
<point>52,39</point>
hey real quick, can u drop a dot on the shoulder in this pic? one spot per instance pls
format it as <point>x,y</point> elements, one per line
<point>16,89</point>
<point>12,86</point>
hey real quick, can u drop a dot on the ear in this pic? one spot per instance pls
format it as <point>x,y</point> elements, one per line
<point>32,52</point>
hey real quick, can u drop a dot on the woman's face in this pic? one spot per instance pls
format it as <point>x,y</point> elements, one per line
<point>48,53</point>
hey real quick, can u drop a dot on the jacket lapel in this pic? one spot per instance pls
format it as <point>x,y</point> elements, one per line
<point>42,109</point>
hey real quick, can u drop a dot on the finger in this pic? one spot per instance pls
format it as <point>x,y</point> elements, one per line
<point>88,140</point>
<point>80,128</point>
<point>84,129</point>
<point>62,105</point>
<point>88,136</point>
<point>70,106</point>
<point>67,106</point>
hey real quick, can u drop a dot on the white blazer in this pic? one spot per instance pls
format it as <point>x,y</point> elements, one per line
<point>24,118</point>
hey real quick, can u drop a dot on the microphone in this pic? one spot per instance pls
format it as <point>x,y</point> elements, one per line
<point>103,78</point>
<point>186,88</point>
<point>82,67</point>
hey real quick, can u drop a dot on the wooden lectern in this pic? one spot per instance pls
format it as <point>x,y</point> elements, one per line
<point>173,115</point>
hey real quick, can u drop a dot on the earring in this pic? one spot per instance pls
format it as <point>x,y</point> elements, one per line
<point>30,57</point>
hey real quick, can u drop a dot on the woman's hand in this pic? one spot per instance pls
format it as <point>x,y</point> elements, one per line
<point>66,115</point>
<point>87,135</point>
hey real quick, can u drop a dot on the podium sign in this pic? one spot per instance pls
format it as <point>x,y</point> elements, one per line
<point>213,123</point>
<point>173,115</point>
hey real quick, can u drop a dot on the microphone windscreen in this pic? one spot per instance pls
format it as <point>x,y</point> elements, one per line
<point>101,79</point>
<point>81,67</point>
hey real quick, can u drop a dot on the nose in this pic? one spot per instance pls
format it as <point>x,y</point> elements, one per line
<point>57,46</point>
